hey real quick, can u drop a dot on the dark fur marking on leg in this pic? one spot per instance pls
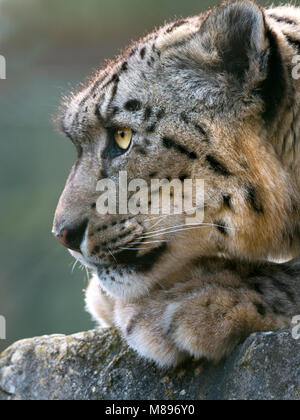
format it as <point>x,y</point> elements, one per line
<point>217,166</point>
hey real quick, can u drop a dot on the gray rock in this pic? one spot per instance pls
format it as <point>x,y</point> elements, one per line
<point>98,365</point>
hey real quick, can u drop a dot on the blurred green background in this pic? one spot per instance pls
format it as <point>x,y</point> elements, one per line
<point>50,47</point>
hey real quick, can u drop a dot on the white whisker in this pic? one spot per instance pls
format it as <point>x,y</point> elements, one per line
<point>133,249</point>
<point>74,265</point>
<point>112,255</point>
<point>150,242</point>
<point>181,230</point>
<point>167,230</point>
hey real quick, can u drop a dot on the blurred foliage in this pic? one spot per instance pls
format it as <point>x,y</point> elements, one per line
<point>50,46</point>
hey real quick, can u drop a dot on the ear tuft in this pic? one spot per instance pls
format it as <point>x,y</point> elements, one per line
<point>235,33</point>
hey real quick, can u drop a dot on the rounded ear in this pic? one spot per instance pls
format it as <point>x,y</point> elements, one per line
<point>235,33</point>
<point>235,51</point>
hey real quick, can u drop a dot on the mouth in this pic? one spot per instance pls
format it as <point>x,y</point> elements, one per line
<point>124,260</point>
<point>131,260</point>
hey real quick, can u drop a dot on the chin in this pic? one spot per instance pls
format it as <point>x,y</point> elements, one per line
<point>123,283</point>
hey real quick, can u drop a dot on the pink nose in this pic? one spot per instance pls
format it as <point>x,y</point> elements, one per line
<point>72,236</point>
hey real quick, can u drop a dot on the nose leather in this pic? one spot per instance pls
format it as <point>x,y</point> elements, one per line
<point>72,236</point>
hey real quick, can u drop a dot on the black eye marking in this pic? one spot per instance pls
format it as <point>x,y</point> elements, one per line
<point>171,144</point>
<point>217,166</point>
<point>143,53</point>
<point>253,199</point>
<point>93,206</point>
<point>133,105</point>
<point>227,202</point>
<point>220,225</point>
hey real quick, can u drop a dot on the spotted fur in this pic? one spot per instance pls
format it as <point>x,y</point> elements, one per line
<point>209,97</point>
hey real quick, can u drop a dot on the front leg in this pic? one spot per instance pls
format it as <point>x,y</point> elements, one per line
<point>195,318</point>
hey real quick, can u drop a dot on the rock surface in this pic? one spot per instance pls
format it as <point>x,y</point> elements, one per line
<point>98,365</point>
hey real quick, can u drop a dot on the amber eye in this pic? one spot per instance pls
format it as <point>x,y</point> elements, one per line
<point>123,137</point>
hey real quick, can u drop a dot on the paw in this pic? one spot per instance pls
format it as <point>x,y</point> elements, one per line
<point>140,327</point>
<point>207,324</point>
<point>213,323</point>
<point>99,305</point>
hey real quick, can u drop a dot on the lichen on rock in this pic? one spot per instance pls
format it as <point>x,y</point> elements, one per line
<point>97,365</point>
